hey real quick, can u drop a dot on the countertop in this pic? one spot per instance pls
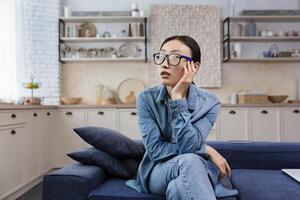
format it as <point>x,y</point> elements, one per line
<point>128,106</point>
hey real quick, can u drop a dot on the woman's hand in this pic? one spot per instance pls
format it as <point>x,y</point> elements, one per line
<point>219,161</point>
<point>180,89</point>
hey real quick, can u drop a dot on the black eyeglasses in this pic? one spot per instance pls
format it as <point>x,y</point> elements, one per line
<point>172,59</point>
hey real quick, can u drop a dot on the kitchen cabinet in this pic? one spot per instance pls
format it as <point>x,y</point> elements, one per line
<point>38,143</point>
<point>66,140</point>
<point>264,124</point>
<point>48,117</point>
<point>233,124</point>
<point>10,117</point>
<point>12,149</point>
<point>128,124</point>
<point>290,131</point>
<point>33,141</point>
<point>101,117</point>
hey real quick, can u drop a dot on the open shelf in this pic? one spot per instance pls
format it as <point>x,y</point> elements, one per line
<point>264,60</point>
<point>103,19</point>
<point>111,39</point>
<point>228,39</point>
<point>263,39</point>
<point>283,18</point>
<point>68,60</point>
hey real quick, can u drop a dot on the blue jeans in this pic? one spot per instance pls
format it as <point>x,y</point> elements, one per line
<point>183,177</point>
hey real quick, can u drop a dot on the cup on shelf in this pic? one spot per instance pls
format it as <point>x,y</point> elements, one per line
<point>67,12</point>
<point>237,29</point>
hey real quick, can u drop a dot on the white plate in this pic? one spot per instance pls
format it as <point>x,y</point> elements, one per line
<point>128,85</point>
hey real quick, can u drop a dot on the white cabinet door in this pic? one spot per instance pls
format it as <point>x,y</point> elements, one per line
<point>128,124</point>
<point>102,117</point>
<point>66,140</point>
<point>47,133</point>
<point>290,124</point>
<point>264,124</point>
<point>33,146</point>
<point>232,124</point>
<point>12,159</point>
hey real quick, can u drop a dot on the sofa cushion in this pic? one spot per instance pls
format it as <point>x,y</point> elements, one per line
<point>115,189</point>
<point>265,185</point>
<point>259,155</point>
<point>124,168</point>
<point>72,182</point>
<point>111,142</point>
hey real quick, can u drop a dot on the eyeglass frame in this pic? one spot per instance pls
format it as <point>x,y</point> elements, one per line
<point>167,56</point>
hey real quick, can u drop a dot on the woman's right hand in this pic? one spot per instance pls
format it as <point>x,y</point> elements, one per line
<point>219,161</point>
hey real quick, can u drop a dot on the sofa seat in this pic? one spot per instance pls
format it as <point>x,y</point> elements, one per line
<point>115,189</point>
<point>265,185</point>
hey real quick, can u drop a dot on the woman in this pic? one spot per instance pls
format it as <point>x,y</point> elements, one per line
<point>175,119</point>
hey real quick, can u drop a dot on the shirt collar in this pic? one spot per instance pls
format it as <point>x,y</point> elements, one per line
<point>191,98</point>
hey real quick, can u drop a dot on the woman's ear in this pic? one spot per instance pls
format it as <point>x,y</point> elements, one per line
<point>197,65</point>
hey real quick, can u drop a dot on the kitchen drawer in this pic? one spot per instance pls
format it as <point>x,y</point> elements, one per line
<point>12,117</point>
<point>102,117</point>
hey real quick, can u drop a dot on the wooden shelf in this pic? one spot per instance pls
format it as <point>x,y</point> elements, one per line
<point>120,39</point>
<point>263,39</point>
<point>263,60</point>
<point>68,60</point>
<point>103,19</point>
<point>278,18</point>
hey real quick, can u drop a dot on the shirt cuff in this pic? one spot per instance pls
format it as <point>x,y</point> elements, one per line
<point>177,106</point>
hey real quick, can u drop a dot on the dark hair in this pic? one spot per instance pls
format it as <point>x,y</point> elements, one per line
<point>188,41</point>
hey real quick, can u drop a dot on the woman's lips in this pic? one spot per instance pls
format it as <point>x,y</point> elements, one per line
<point>164,74</point>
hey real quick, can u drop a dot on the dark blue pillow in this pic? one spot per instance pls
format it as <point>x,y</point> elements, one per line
<point>126,168</point>
<point>111,142</point>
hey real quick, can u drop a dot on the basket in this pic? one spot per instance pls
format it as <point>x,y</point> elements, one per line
<point>253,99</point>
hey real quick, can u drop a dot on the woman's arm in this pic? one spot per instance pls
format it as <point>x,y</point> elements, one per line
<point>158,149</point>
<point>219,161</point>
<point>191,136</point>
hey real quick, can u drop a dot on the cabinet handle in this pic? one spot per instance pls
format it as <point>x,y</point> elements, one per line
<point>69,113</point>
<point>13,115</point>
<point>264,112</point>
<point>296,111</point>
<point>13,132</point>
<point>34,114</point>
<point>232,112</point>
<point>48,113</point>
<point>133,113</point>
<point>100,113</point>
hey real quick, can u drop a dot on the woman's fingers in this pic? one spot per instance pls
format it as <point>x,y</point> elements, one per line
<point>222,171</point>
<point>193,67</point>
<point>228,170</point>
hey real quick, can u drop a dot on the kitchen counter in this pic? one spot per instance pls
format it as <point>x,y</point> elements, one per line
<point>128,106</point>
<point>24,107</point>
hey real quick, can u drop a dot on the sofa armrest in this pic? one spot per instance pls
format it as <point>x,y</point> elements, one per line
<point>72,182</point>
<point>259,155</point>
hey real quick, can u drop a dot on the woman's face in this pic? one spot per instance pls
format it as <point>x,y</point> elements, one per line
<point>170,75</point>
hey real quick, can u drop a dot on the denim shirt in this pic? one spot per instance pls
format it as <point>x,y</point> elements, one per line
<point>172,127</point>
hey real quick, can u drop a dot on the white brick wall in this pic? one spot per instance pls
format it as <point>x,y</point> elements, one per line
<point>41,47</point>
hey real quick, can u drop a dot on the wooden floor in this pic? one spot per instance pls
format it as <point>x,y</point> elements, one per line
<point>33,194</point>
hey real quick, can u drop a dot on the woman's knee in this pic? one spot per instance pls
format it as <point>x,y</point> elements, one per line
<point>192,160</point>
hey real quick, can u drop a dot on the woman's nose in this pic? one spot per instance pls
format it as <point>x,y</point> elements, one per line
<point>165,64</point>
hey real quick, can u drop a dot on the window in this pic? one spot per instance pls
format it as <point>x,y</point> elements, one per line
<point>11,50</point>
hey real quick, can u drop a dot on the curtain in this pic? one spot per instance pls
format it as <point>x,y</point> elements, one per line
<point>11,50</point>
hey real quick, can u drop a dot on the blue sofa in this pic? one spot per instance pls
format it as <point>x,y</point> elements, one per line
<point>256,173</point>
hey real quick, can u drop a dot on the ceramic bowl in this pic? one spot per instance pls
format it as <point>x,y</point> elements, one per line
<point>277,98</point>
<point>70,100</point>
